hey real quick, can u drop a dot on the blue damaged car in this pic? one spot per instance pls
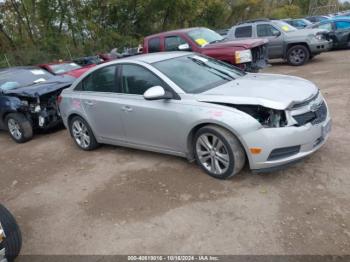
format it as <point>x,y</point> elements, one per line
<point>28,100</point>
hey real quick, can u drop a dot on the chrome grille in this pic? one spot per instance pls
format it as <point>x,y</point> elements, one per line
<point>313,117</point>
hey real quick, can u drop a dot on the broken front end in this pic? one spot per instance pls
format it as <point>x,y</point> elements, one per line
<point>42,111</point>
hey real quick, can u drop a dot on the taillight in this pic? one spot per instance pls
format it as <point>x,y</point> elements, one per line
<point>59,99</point>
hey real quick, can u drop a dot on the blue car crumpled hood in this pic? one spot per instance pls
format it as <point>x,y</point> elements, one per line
<point>53,84</point>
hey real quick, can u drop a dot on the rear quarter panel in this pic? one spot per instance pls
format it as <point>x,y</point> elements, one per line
<point>70,104</point>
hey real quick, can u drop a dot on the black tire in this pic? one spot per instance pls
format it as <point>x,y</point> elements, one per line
<point>13,237</point>
<point>234,149</point>
<point>298,55</point>
<point>25,127</point>
<point>92,143</point>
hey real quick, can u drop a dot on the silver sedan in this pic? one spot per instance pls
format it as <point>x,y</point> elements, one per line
<point>196,107</point>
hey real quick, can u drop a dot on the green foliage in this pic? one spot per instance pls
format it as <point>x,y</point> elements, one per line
<point>38,31</point>
<point>287,11</point>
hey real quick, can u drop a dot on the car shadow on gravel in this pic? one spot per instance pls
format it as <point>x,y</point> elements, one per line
<point>137,194</point>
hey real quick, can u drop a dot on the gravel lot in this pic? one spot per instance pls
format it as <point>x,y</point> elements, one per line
<point>123,201</point>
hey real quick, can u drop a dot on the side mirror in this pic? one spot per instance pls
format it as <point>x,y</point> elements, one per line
<point>184,47</point>
<point>156,93</point>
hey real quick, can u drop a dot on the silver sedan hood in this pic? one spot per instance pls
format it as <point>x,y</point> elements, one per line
<point>268,90</point>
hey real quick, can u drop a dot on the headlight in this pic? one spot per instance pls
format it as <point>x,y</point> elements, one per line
<point>319,37</point>
<point>267,117</point>
<point>37,109</point>
<point>243,56</point>
<point>24,103</point>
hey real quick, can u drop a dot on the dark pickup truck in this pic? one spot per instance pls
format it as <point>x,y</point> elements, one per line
<point>249,54</point>
<point>28,100</point>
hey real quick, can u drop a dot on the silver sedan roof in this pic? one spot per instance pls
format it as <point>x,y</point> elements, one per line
<point>155,57</point>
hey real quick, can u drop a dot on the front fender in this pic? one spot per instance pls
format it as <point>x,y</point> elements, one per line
<point>235,121</point>
<point>8,104</point>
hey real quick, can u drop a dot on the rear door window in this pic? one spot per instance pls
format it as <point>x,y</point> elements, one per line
<point>243,31</point>
<point>101,80</point>
<point>154,45</point>
<point>266,30</point>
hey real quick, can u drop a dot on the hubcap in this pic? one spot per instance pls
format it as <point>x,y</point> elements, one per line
<point>212,154</point>
<point>81,134</point>
<point>297,56</point>
<point>14,128</point>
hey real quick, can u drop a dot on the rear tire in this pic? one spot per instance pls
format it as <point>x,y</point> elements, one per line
<point>82,134</point>
<point>13,237</point>
<point>298,55</point>
<point>218,152</point>
<point>19,127</point>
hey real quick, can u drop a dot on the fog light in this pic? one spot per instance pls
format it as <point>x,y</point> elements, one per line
<point>255,150</point>
<point>41,121</point>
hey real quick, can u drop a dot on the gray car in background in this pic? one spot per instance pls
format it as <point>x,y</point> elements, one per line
<point>193,106</point>
<point>285,41</point>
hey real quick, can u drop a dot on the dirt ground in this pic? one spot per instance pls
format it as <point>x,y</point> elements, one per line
<point>123,201</point>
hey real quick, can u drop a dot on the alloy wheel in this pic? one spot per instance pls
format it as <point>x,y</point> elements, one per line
<point>14,128</point>
<point>212,153</point>
<point>297,56</point>
<point>81,134</point>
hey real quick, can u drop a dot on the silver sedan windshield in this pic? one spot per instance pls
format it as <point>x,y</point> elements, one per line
<point>196,74</point>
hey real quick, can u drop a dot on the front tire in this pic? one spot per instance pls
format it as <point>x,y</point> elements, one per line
<point>298,55</point>
<point>218,152</point>
<point>82,134</point>
<point>12,242</point>
<point>19,127</point>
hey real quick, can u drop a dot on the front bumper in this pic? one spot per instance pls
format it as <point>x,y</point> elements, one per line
<point>309,137</point>
<point>46,119</point>
<point>259,59</point>
<point>318,46</point>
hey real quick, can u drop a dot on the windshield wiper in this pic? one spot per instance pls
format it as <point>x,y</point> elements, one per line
<point>200,62</point>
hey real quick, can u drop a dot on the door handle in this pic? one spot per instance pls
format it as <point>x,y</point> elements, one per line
<point>127,109</point>
<point>89,103</point>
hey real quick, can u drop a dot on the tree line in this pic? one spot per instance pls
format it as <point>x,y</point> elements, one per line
<point>37,31</point>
